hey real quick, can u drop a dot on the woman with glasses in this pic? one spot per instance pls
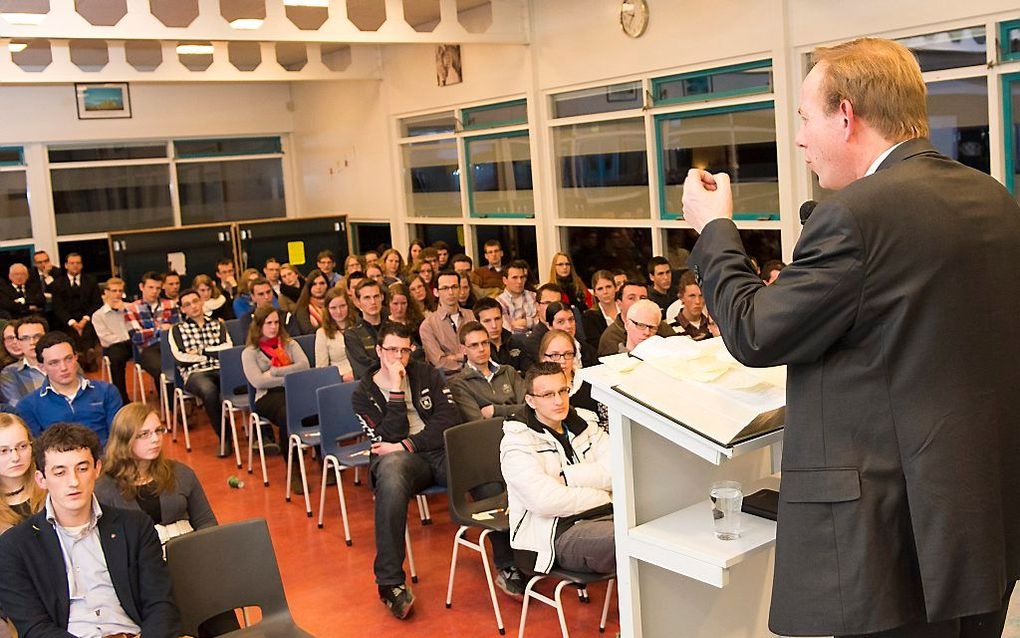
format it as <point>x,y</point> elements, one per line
<point>559,316</point>
<point>560,347</point>
<point>575,293</point>
<point>329,338</point>
<point>11,351</point>
<point>136,476</point>
<point>311,305</point>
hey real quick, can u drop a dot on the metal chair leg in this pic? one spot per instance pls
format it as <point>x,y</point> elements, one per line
<point>605,606</point>
<point>410,556</point>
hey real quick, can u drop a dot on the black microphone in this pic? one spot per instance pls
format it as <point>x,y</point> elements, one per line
<point>806,209</point>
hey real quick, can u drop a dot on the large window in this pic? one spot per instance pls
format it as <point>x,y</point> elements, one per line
<point>602,170</point>
<point>15,222</point>
<point>105,198</point>
<point>596,248</point>
<point>739,79</point>
<point>958,118</point>
<point>432,179</point>
<point>740,141</point>
<point>499,175</point>
<point>517,242</point>
<point>230,190</point>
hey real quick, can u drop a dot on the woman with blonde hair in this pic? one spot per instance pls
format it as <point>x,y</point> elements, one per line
<point>22,497</point>
<point>562,273</point>
<point>243,304</point>
<point>214,302</point>
<point>137,476</point>
<point>393,266</point>
<point>330,349</point>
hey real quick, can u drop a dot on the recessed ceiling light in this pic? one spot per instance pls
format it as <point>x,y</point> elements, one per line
<point>17,47</point>
<point>324,4</point>
<point>24,18</point>
<point>247,23</point>
<point>194,49</point>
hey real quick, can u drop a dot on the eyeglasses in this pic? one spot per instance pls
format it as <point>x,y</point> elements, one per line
<point>644,326</point>
<point>560,356</point>
<point>563,393</point>
<point>147,434</point>
<point>20,448</point>
<point>448,288</point>
<point>10,338</point>
<point>404,352</point>
<point>30,338</point>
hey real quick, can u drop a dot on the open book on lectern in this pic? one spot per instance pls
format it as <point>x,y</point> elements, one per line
<point>700,386</point>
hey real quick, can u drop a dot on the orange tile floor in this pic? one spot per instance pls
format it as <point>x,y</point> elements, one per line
<point>330,586</point>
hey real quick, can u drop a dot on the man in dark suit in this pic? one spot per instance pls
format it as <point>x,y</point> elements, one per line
<point>44,271</point>
<point>19,296</point>
<point>897,512</point>
<point>77,568</point>
<point>75,297</point>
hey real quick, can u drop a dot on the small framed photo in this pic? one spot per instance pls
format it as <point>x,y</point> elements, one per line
<point>103,101</point>
<point>448,69</point>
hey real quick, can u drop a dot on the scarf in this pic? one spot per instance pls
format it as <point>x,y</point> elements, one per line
<point>273,349</point>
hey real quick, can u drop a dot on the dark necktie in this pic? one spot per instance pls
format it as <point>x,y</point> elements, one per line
<point>21,291</point>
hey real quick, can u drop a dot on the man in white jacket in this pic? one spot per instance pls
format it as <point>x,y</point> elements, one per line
<point>556,467</point>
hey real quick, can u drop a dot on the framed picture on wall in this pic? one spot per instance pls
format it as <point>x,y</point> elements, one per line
<point>103,101</point>
<point>448,69</point>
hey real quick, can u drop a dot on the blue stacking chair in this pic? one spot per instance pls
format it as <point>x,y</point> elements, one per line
<point>255,423</point>
<point>307,343</point>
<point>233,396</point>
<point>236,331</point>
<point>339,425</point>
<point>170,380</point>
<point>303,418</point>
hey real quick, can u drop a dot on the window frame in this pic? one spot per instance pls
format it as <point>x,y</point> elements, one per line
<point>709,97</point>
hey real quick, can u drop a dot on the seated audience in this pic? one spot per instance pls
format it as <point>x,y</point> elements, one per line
<point>326,263</point>
<point>505,348</point>
<point>560,347</point>
<point>22,497</point>
<point>427,273</point>
<point>330,349</point>
<point>489,278</point>
<point>393,267</point>
<point>603,313</point>
<point>214,302</point>
<point>43,272</point>
<point>195,343</point>
<point>66,395</point>
<point>547,294</point>
<point>268,356</point>
<point>11,352</point>
<point>555,498</point>
<point>311,305</point>
<point>370,257</point>
<point>75,297</point>
<point>262,295</point>
<point>575,293</point>
<point>227,282</point>
<point>770,271</point>
<point>271,273</point>
<point>23,377</point>
<point>171,286</point>
<point>291,283</point>
<point>77,568</point>
<point>519,304</point>
<point>430,256</point>
<point>421,296</point>
<point>414,251</point>
<point>484,388</point>
<point>361,338</point>
<point>620,277</point>
<point>351,281</point>
<point>136,476</point>
<point>692,321</point>
<point>408,405</point>
<point>439,331</point>
<point>110,322</point>
<point>614,339</point>
<point>466,296</point>
<point>243,303</point>
<point>561,317</point>
<point>661,275</point>
<point>442,254</point>
<point>19,296</point>
<point>147,319</point>
<point>643,320</point>
<point>462,265</point>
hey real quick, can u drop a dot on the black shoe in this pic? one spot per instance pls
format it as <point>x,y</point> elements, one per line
<point>511,582</point>
<point>271,448</point>
<point>398,598</point>
<point>228,450</point>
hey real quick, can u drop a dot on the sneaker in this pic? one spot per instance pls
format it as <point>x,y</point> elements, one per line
<point>398,598</point>
<point>511,582</point>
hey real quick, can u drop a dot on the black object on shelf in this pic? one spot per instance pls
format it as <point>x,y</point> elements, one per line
<point>763,503</point>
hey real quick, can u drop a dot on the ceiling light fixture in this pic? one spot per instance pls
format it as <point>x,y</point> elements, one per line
<point>194,49</point>
<point>32,19</point>
<point>247,24</point>
<point>16,47</point>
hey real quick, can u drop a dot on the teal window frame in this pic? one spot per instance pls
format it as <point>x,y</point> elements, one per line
<point>1004,29</point>
<point>747,66</point>
<point>21,155</point>
<point>660,170</point>
<point>273,139</point>
<point>470,188</point>
<point>1007,127</point>
<point>465,114</point>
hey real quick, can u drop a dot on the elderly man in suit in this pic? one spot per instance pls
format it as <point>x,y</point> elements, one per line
<point>897,512</point>
<point>19,295</point>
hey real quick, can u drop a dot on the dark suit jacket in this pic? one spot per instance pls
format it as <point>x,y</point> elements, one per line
<point>34,593</point>
<point>74,303</point>
<point>900,472</point>
<point>33,275</point>
<point>33,297</point>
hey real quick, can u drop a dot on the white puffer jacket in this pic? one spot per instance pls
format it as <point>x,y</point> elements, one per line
<point>543,484</point>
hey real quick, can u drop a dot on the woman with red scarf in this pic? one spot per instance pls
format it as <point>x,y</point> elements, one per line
<point>270,355</point>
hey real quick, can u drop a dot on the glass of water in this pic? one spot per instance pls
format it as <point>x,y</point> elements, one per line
<point>727,498</point>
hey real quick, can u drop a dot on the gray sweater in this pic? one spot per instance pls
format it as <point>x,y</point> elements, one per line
<point>186,501</point>
<point>471,392</point>
<point>261,375</point>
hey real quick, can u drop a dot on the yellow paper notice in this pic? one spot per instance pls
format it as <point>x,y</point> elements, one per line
<point>296,252</point>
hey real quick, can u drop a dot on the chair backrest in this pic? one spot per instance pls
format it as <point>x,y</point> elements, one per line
<point>302,405</point>
<point>472,460</point>
<point>237,332</point>
<point>223,568</point>
<point>232,379</point>
<point>307,343</point>
<point>244,322</point>
<point>166,360</point>
<point>337,420</point>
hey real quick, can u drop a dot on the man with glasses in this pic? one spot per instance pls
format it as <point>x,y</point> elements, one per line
<point>484,388</point>
<point>326,262</point>
<point>642,322</point>
<point>614,339</point>
<point>408,406</point>
<point>25,376</point>
<point>66,395</point>
<point>439,330</point>
<point>547,294</point>
<point>360,340</point>
<point>557,471</point>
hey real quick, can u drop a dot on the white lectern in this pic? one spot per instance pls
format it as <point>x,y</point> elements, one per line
<point>675,578</point>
